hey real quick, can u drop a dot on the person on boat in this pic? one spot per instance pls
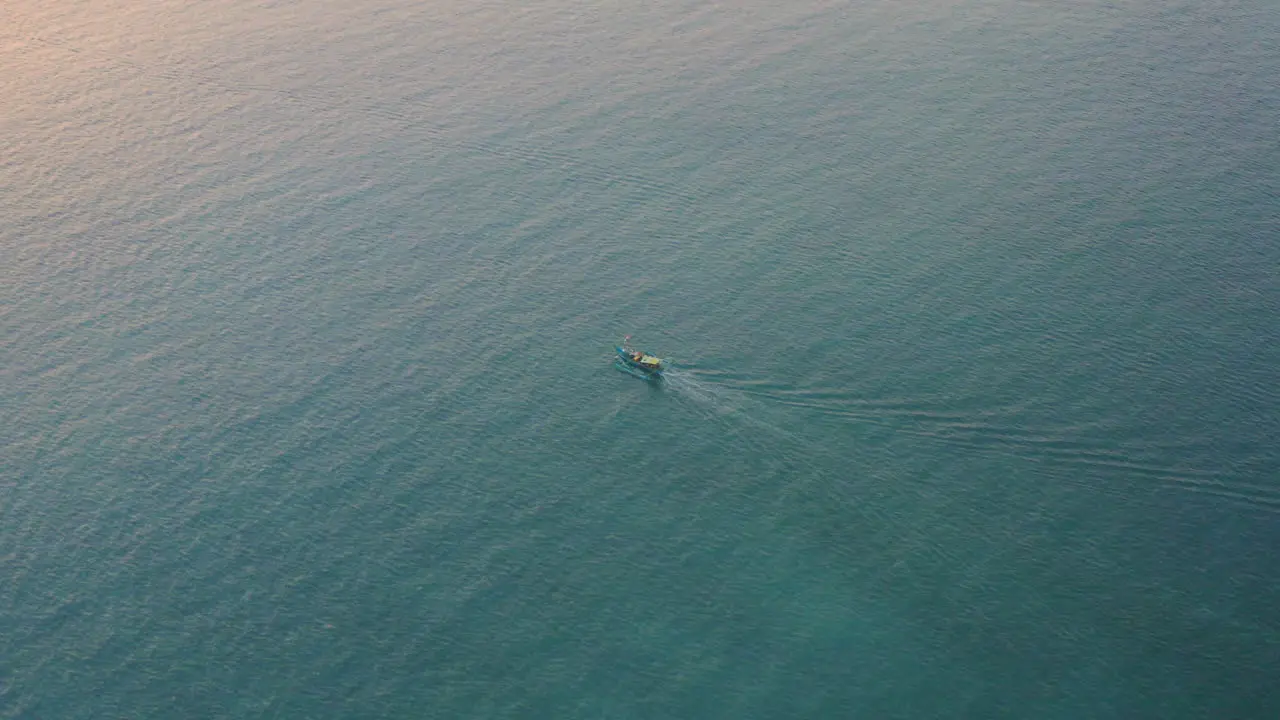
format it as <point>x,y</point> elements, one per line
<point>637,356</point>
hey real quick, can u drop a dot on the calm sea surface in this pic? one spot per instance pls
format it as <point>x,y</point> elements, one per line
<point>306,405</point>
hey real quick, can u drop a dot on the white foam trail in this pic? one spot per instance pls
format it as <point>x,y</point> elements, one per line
<point>701,393</point>
<point>731,407</point>
<point>744,417</point>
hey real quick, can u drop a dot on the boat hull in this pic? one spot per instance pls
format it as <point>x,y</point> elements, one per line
<point>624,363</point>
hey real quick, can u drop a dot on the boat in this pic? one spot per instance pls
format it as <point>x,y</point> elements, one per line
<point>638,362</point>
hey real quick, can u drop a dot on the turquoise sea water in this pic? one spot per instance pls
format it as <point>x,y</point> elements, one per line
<point>306,404</point>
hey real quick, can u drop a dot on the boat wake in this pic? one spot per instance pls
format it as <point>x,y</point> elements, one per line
<point>737,411</point>
<point>700,392</point>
